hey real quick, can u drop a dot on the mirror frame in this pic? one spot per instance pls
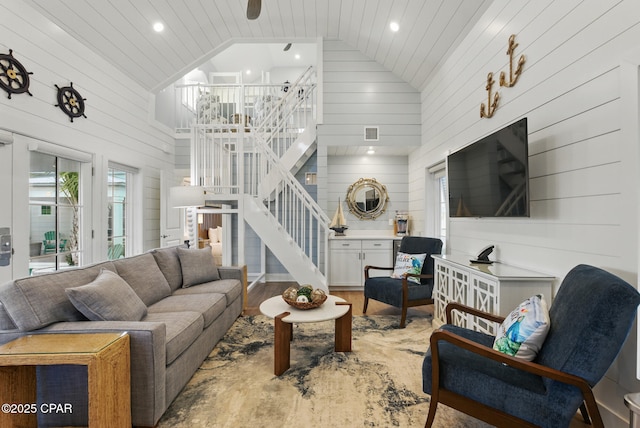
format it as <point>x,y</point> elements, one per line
<point>351,198</point>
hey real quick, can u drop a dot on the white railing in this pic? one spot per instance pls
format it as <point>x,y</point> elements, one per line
<point>217,158</point>
<point>300,216</point>
<point>287,117</point>
<point>243,104</point>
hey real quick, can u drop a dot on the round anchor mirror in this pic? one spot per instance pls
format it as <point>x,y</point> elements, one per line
<point>367,199</point>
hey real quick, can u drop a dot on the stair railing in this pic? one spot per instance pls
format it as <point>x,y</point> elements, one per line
<point>285,119</point>
<point>299,215</point>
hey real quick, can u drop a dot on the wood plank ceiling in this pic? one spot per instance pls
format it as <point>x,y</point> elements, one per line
<point>195,30</point>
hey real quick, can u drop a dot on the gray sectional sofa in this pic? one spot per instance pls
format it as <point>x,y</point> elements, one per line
<point>173,302</point>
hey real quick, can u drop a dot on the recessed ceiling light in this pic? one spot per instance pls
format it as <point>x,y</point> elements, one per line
<point>297,56</point>
<point>158,27</point>
<point>394,26</point>
<point>371,151</point>
<point>248,71</point>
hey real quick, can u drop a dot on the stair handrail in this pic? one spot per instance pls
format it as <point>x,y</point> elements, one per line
<point>274,163</point>
<point>300,91</point>
<point>286,200</point>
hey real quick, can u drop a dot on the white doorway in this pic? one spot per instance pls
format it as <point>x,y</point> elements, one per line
<point>6,196</point>
<point>171,219</point>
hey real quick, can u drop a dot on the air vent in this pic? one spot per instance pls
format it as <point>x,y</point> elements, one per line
<point>370,133</point>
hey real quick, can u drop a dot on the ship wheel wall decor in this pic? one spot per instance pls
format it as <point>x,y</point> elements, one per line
<point>70,101</point>
<point>14,78</point>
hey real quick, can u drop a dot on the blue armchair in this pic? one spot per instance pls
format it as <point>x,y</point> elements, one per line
<point>590,319</point>
<point>402,293</point>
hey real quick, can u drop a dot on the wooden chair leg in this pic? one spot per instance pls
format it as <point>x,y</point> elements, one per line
<point>366,303</point>
<point>432,412</point>
<point>403,317</point>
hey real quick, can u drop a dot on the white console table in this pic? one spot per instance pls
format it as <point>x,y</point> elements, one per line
<point>495,288</point>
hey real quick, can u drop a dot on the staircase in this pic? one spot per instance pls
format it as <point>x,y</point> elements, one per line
<point>253,167</point>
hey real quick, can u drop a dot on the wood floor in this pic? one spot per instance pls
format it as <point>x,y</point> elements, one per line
<point>263,291</point>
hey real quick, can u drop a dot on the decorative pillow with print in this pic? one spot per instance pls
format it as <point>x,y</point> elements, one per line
<point>524,330</point>
<point>408,263</point>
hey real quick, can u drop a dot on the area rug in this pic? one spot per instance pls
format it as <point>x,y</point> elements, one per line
<point>379,384</point>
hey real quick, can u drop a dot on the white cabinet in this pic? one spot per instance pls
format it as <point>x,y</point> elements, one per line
<point>348,257</point>
<point>495,288</point>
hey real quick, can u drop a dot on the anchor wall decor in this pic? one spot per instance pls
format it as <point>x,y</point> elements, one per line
<point>490,108</point>
<point>513,76</point>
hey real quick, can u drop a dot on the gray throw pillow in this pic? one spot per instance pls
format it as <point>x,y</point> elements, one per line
<point>197,266</point>
<point>107,298</point>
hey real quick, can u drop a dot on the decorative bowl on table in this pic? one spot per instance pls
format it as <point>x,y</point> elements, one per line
<point>304,297</point>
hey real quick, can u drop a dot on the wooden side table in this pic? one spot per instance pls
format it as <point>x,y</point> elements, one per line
<point>245,291</point>
<point>106,356</point>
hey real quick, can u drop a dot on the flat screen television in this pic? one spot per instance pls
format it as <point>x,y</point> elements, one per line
<point>490,177</point>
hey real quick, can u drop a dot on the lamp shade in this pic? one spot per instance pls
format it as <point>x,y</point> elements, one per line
<point>186,196</point>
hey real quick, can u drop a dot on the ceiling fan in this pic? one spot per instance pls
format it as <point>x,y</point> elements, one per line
<point>253,9</point>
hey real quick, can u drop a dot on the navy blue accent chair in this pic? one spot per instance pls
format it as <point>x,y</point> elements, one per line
<point>590,319</point>
<point>400,292</point>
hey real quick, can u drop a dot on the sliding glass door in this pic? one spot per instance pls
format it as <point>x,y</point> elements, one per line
<point>55,209</point>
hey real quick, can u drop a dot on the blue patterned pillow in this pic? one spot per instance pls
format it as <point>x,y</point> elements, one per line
<point>524,330</point>
<point>408,263</point>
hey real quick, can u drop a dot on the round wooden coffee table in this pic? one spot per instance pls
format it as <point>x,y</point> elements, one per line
<point>284,315</point>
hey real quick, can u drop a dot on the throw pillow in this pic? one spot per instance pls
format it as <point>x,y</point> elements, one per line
<point>107,298</point>
<point>408,263</point>
<point>197,266</point>
<point>524,330</point>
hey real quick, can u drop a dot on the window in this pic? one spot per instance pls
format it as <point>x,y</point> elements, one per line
<point>437,197</point>
<point>119,215</point>
<point>441,225</point>
<point>56,209</point>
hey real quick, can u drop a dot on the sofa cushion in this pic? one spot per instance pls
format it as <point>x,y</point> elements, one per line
<point>197,266</point>
<point>144,276</point>
<point>169,263</point>
<point>231,288</point>
<point>37,301</point>
<point>107,298</point>
<point>183,328</point>
<point>209,305</point>
<point>5,320</point>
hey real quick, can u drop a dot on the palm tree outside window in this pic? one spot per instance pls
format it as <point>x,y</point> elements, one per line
<point>55,212</point>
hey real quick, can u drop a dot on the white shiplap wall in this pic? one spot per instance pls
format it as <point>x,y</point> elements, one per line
<point>359,92</point>
<point>583,147</point>
<point>117,125</point>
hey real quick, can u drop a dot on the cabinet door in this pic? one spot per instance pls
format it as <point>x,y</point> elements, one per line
<point>377,253</point>
<point>451,285</point>
<point>483,296</point>
<point>346,264</point>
